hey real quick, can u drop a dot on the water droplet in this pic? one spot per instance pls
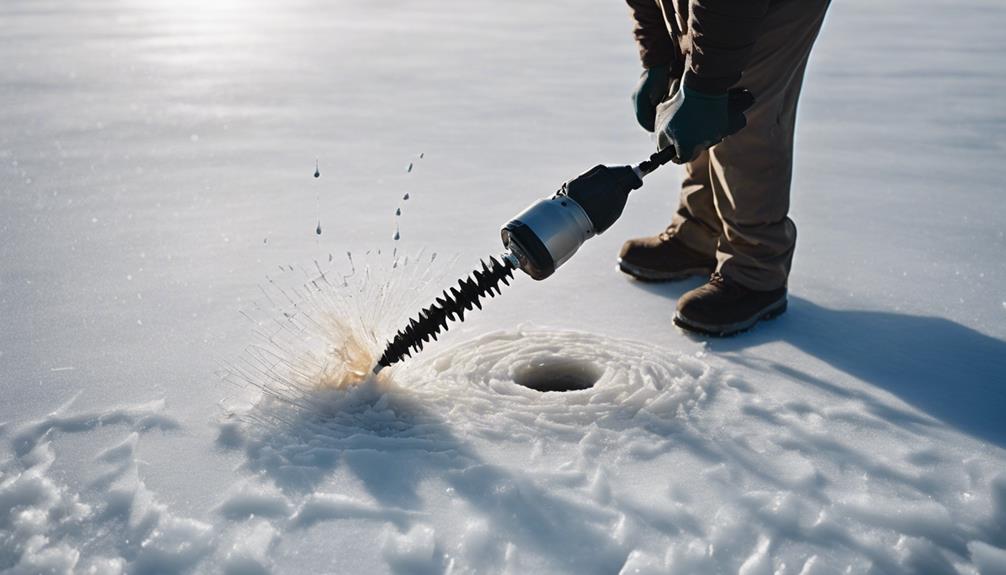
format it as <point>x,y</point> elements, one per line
<point>409,169</point>
<point>317,171</point>
<point>265,240</point>
<point>398,211</point>
<point>406,196</point>
<point>329,257</point>
<point>398,236</point>
<point>318,229</point>
<point>421,154</point>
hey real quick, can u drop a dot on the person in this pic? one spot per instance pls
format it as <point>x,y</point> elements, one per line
<point>732,218</point>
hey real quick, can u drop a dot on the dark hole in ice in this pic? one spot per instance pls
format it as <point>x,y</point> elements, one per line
<point>558,374</point>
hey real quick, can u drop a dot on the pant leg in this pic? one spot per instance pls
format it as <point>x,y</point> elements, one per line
<point>751,171</point>
<point>696,222</point>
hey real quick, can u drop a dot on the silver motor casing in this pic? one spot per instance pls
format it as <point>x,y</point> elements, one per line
<point>558,223</point>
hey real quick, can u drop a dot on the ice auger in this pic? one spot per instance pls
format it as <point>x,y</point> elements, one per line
<point>536,241</point>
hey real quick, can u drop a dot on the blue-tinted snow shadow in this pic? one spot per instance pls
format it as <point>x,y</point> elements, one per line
<point>395,443</point>
<point>951,372</point>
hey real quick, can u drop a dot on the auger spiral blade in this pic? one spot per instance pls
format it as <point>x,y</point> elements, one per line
<point>449,306</point>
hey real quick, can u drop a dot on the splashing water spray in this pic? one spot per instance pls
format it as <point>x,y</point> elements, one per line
<point>319,330</point>
<point>536,241</point>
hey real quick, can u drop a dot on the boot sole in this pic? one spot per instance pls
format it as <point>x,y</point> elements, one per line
<point>771,311</point>
<point>648,275</point>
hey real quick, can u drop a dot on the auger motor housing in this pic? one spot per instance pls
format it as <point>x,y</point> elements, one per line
<point>546,234</point>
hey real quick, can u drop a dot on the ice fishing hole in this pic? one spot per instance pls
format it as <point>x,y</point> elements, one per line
<point>557,374</point>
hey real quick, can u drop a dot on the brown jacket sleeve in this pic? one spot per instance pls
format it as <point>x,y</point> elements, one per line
<point>650,31</point>
<point>722,33</point>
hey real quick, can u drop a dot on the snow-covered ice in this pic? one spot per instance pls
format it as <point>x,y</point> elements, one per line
<point>185,359</point>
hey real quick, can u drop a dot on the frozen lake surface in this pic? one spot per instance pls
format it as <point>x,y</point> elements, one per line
<point>183,303</point>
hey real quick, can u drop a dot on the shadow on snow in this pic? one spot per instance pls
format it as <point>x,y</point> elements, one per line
<point>393,444</point>
<point>949,371</point>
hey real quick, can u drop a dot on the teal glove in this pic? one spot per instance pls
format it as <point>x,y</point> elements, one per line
<point>654,85</point>
<point>693,121</point>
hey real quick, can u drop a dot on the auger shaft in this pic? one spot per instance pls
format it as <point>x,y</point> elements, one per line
<point>450,306</point>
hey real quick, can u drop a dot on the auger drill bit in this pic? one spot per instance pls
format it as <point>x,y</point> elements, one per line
<point>451,305</point>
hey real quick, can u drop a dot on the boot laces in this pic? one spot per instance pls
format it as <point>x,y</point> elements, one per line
<point>727,285</point>
<point>717,279</point>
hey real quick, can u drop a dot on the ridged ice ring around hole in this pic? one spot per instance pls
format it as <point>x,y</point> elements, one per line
<point>517,374</point>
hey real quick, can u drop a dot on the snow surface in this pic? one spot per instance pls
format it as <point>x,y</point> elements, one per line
<point>188,313</point>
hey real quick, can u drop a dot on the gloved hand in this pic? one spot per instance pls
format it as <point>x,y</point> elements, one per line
<point>602,192</point>
<point>654,85</point>
<point>693,121</point>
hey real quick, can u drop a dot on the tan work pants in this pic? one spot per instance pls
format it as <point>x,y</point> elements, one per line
<point>735,196</point>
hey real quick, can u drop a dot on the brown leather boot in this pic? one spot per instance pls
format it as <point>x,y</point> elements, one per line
<point>724,307</point>
<point>663,258</point>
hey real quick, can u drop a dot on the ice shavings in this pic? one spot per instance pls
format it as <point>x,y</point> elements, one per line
<point>328,507</point>
<point>36,514</point>
<point>665,464</point>
<point>635,384</point>
<point>246,500</point>
<point>790,478</point>
<point>249,548</point>
<point>141,417</point>
<point>411,552</point>
<point>111,524</point>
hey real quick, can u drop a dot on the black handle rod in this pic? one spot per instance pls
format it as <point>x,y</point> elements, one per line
<point>657,159</point>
